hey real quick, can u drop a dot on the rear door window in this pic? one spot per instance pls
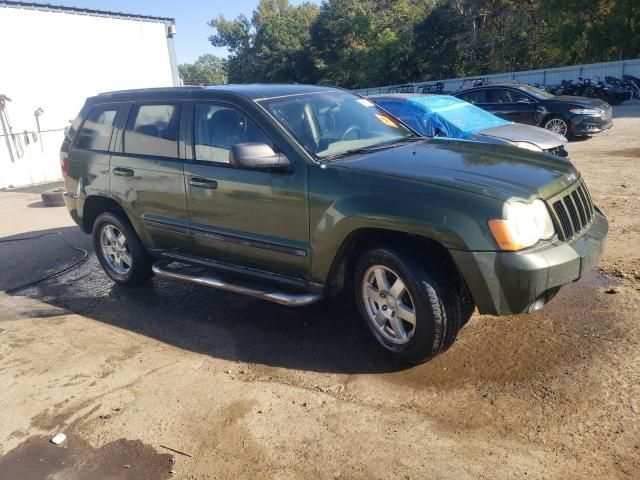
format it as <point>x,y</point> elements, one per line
<point>95,133</point>
<point>153,130</point>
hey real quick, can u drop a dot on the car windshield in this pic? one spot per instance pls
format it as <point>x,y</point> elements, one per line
<point>452,117</point>
<point>334,123</point>
<point>536,92</point>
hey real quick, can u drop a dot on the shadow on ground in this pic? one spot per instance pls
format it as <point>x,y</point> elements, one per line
<point>327,337</point>
<point>36,458</point>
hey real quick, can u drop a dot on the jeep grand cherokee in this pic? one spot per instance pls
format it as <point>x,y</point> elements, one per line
<point>292,193</point>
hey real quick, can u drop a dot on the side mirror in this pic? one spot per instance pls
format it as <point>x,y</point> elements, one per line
<point>257,156</point>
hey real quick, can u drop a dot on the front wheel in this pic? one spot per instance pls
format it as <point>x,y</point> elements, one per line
<point>120,251</point>
<point>558,125</point>
<point>412,309</point>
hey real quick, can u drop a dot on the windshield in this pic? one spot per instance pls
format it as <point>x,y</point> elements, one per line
<point>332,123</point>
<point>453,117</point>
<point>536,92</point>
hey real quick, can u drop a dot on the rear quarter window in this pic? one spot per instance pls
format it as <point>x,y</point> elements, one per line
<point>96,130</point>
<point>153,130</point>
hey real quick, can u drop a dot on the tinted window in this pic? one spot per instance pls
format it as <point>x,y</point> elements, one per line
<point>218,128</point>
<point>153,130</point>
<point>499,95</point>
<point>536,92</point>
<point>478,96</point>
<point>502,95</point>
<point>96,130</point>
<point>517,97</point>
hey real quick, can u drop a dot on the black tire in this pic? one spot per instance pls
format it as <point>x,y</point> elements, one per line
<point>53,198</point>
<point>140,270</point>
<point>556,118</point>
<point>436,302</point>
<point>466,311</point>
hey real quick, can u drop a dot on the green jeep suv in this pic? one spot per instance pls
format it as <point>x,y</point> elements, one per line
<point>294,193</point>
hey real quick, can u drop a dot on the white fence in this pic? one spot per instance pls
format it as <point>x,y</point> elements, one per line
<point>547,76</point>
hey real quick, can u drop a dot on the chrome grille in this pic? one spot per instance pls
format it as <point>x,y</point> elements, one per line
<point>573,212</point>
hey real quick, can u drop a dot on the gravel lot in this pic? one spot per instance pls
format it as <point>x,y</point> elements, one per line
<point>246,389</point>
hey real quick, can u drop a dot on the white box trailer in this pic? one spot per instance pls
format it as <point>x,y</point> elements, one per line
<point>51,59</point>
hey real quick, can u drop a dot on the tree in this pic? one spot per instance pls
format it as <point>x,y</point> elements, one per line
<point>359,43</point>
<point>274,46</point>
<point>367,42</point>
<point>206,70</point>
<point>467,38</point>
<point>436,43</point>
<point>588,31</point>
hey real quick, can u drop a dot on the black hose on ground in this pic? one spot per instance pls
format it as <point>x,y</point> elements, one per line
<point>85,255</point>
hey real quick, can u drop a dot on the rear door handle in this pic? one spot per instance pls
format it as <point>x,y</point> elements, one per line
<point>203,183</point>
<point>123,172</point>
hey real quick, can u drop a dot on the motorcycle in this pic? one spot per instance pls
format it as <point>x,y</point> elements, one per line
<point>633,83</point>
<point>613,95</point>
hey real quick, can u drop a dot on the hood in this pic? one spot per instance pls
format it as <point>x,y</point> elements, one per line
<point>517,132</point>
<point>580,101</point>
<point>492,170</point>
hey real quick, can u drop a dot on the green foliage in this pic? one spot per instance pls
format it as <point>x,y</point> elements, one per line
<point>467,38</point>
<point>357,43</point>
<point>206,70</point>
<point>588,31</point>
<point>360,41</point>
<point>273,46</point>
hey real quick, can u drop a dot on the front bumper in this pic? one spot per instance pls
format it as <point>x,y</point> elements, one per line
<point>505,283</point>
<point>586,125</point>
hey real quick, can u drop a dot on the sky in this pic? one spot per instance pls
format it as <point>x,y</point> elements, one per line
<point>191,17</point>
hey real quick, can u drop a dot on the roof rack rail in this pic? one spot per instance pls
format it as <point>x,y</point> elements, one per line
<point>154,89</point>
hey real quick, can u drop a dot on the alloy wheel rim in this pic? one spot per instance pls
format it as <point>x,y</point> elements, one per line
<point>389,305</point>
<point>115,249</point>
<point>558,126</point>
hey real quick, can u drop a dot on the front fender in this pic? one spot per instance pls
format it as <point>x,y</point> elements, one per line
<point>342,202</point>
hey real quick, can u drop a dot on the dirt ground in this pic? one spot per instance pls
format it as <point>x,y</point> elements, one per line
<point>245,389</point>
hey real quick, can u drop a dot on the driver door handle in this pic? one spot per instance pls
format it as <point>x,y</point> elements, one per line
<point>199,182</point>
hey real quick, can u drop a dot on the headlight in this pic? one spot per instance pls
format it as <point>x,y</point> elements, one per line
<point>526,224</point>
<point>594,112</point>
<point>528,146</point>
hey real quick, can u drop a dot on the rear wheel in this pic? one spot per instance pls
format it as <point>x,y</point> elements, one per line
<point>412,310</point>
<point>120,251</point>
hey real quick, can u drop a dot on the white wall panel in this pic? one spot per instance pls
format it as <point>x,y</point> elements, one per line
<point>54,60</point>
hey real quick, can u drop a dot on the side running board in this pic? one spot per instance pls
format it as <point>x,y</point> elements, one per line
<point>290,299</point>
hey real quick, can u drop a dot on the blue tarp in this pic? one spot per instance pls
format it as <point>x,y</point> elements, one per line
<point>428,114</point>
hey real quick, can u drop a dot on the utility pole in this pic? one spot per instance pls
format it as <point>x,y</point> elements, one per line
<point>5,127</point>
<point>38,113</point>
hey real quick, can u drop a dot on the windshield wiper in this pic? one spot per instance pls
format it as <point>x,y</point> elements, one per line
<point>373,148</point>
